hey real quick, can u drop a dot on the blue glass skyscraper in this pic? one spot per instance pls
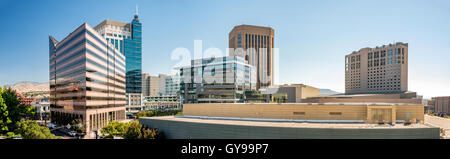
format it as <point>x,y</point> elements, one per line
<point>133,54</point>
<point>127,38</point>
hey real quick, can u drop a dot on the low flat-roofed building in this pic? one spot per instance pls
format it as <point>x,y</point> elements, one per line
<point>442,104</point>
<point>297,92</point>
<point>182,127</point>
<point>336,112</point>
<point>295,121</point>
<point>407,97</point>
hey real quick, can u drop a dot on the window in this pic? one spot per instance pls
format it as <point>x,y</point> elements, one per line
<point>115,35</point>
<point>299,113</point>
<point>335,113</point>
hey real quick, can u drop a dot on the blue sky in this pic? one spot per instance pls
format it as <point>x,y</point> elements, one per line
<point>313,36</point>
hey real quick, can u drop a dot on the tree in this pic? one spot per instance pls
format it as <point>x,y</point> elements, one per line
<point>10,135</point>
<point>147,134</point>
<point>12,103</point>
<point>16,110</point>
<point>79,126</point>
<point>4,117</point>
<point>29,129</point>
<point>115,128</point>
<point>133,131</point>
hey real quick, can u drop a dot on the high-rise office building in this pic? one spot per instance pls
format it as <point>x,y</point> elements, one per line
<point>150,85</point>
<point>255,44</point>
<point>169,85</point>
<point>378,70</point>
<point>127,38</point>
<point>161,85</point>
<point>216,80</point>
<point>87,79</point>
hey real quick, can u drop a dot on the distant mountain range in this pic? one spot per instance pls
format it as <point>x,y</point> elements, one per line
<point>27,86</point>
<point>328,92</point>
<point>23,87</point>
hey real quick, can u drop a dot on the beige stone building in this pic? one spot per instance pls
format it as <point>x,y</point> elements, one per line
<point>377,70</point>
<point>399,98</point>
<point>150,85</point>
<point>297,92</point>
<point>354,112</point>
<point>442,104</point>
<point>255,44</point>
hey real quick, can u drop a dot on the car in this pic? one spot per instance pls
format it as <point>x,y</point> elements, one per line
<point>16,137</point>
<point>72,133</point>
<point>51,126</point>
<point>442,114</point>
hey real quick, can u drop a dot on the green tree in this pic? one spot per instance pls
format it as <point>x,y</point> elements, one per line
<point>29,129</point>
<point>79,126</point>
<point>12,103</point>
<point>16,110</point>
<point>4,117</point>
<point>115,128</point>
<point>147,134</point>
<point>133,130</point>
<point>11,135</point>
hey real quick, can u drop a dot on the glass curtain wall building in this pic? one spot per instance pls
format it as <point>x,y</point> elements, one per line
<point>127,38</point>
<point>87,80</point>
<point>216,80</point>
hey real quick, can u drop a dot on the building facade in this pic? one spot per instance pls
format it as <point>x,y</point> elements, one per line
<point>298,92</point>
<point>150,85</point>
<point>328,112</point>
<point>442,105</point>
<point>255,44</point>
<point>377,70</point>
<point>134,102</point>
<point>216,80</point>
<point>161,85</point>
<point>169,85</point>
<point>87,79</point>
<point>398,98</point>
<point>127,38</point>
<point>162,102</point>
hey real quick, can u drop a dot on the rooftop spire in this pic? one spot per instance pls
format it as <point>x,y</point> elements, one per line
<point>136,15</point>
<point>136,9</point>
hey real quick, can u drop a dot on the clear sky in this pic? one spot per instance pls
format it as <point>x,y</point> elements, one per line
<point>313,36</point>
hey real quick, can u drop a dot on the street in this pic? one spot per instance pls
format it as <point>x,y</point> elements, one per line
<point>59,133</point>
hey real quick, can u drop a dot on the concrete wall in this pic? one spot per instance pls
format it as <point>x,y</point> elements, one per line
<point>192,130</point>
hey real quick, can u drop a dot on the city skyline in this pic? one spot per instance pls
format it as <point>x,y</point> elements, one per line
<point>303,34</point>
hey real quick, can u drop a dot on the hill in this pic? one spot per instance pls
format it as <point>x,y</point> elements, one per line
<point>27,86</point>
<point>328,92</point>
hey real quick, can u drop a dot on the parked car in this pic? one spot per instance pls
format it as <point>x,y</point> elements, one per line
<point>52,126</point>
<point>16,137</point>
<point>442,114</point>
<point>72,133</point>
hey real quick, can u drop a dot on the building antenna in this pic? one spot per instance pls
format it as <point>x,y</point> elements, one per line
<point>136,9</point>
